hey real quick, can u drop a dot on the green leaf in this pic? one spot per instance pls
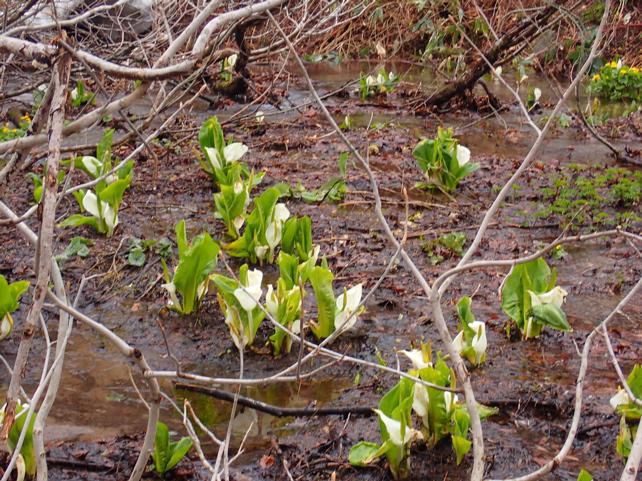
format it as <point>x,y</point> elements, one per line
<point>635,381</point>
<point>178,451</point>
<point>10,295</point>
<point>103,149</point>
<point>136,256</point>
<point>364,453</point>
<point>113,193</point>
<point>194,266</point>
<point>181,238</point>
<point>78,246</point>
<point>461,446</point>
<point>552,316</point>
<point>161,448</point>
<point>343,163</point>
<point>28,452</point>
<point>76,220</point>
<point>584,476</point>
<point>321,280</point>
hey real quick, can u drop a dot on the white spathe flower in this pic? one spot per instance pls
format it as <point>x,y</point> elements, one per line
<point>619,64</point>
<point>231,60</point>
<point>394,430</point>
<point>370,81</point>
<point>234,151</point>
<point>420,400</point>
<point>213,157</point>
<point>347,304</point>
<point>250,296</point>
<point>381,79</point>
<point>260,116</point>
<point>6,326</point>
<point>171,290</point>
<point>271,301</point>
<point>90,204</point>
<point>479,342</point>
<point>498,71</point>
<point>74,93</point>
<point>238,222</point>
<point>537,93</point>
<point>555,296</point>
<point>416,356</point>
<point>450,399</point>
<point>260,251</point>
<point>463,155</point>
<point>232,323</point>
<point>620,398</point>
<point>458,342</point>
<point>273,230</point>
<point>92,164</point>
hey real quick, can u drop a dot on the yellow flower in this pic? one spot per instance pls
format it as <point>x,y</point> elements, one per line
<point>635,70</point>
<point>26,118</point>
<point>612,64</point>
<point>596,77</point>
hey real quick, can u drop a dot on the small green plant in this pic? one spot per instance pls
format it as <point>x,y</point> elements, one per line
<point>138,247</point>
<point>629,411</point>
<point>196,261</point>
<point>263,230</point>
<point>532,100</point>
<point>78,246</point>
<point>441,415</point>
<point>385,82</point>
<point>80,95</point>
<point>471,340</point>
<point>593,198</point>
<point>445,247</point>
<point>168,454</point>
<point>10,295</point>
<point>227,68</point>
<point>220,159</point>
<point>616,81</point>
<point>231,202</point>
<point>239,300</point>
<point>284,302</point>
<point>333,314</point>
<point>26,464</point>
<point>7,132</point>
<point>531,300</point>
<point>37,184</point>
<point>443,161</point>
<point>103,204</point>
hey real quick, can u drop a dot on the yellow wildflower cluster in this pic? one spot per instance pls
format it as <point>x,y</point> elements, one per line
<point>7,130</point>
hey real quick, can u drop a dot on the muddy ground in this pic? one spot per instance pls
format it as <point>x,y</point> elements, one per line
<point>97,421</point>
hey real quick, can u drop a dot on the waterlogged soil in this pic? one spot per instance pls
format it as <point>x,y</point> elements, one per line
<point>97,421</point>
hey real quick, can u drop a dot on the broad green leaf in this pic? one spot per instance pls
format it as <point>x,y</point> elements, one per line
<point>195,265</point>
<point>78,246</point>
<point>635,381</point>
<point>584,476</point>
<point>28,452</point>
<point>181,238</point>
<point>624,443</point>
<point>76,220</point>
<point>343,163</point>
<point>321,280</point>
<point>552,316</point>
<point>461,446</point>
<point>10,295</point>
<point>364,453</point>
<point>103,149</point>
<point>178,451</point>
<point>161,447</point>
<point>113,193</point>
